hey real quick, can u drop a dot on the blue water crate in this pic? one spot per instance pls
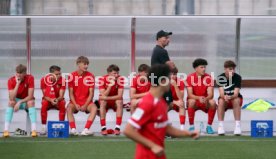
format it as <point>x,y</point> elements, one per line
<point>261,128</point>
<point>58,129</point>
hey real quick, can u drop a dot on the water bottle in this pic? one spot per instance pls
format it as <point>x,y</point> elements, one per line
<point>201,126</point>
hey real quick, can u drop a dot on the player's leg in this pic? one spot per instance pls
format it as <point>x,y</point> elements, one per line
<point>236,102</point>
<point>32,115</point>
<point>62,110</point>
<point>212,107</point>
<point>44,114</point>
<point>133,105</point>
<point>119,115</point>
<point>71,109</point>
<point>191,113</point>
<point>221,113</point>
<point>92,109</point>
<point>103,106</point>
<point>8,117</point>
<point>182,113</point>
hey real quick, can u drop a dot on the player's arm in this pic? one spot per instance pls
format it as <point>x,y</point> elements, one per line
<point>221,93</point>
<point>30,95</point>
<point>45,97</point>
<point>106,91</point>
<point>134,95</point>
<point>71,95</point>
<point>210,93</point>
<point>90,97</point>
<point>132,133</point>
<point>61,95</point>
<point>116,97</point>
<point>179,93</point>
<point>191,94</point>
<point>170,130</point>
<point>13,92</point>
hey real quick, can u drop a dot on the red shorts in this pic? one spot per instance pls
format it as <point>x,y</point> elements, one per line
<point>76,111</point>
<point>49,106</point>
<point>230,105</point>
<point>200,106</point>
<point>111,104</point>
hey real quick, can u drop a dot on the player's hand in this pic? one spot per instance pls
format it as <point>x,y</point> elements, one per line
<point>195,134</point>
<point>103,97</point>
<point>157,150</point>
<point>202,100</point>
<point>53,102</point>
<point>78,107</point>
<point>16,106</point>
<point>227,98</point>
<point>111,81</point>
<point>18,80</point>
<point>173,82</point>
<point>83,108</point>
<point>171,64</point>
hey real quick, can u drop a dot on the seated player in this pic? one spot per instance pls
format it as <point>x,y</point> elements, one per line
<point>149,123</point>
<point>177,88</point>
<point>229,96</point>
<point>200,87</point>
<point>139,86</point>
<point>53,87</point>
<point>21,96</point>
<point>81,91</point>
<point>111,97</point>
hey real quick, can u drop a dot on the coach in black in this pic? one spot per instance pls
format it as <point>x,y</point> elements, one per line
<point>160,56</point>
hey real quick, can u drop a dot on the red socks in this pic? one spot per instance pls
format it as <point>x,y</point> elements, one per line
<point>88,124</point>
<point>211,115</point>
<point>191,114</point>
<point>182,119</point>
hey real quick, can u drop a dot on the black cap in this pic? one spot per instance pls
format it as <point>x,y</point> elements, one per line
<point>162,33</point>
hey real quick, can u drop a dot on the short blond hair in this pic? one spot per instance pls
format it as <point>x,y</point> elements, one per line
<point>21,68</point>
<point>82,59</point>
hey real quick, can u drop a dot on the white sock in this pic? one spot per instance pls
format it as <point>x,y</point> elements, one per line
<point>238,123</point>
<point>221,123</point>
<point>118,126</point>
<point>7,125</point>
<point>44,126</point>
<point>182,127</point>
<point>33,126</point>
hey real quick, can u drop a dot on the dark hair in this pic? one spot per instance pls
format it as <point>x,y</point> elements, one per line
<point>199,62</point>
<point>229,63</point>
<point>21,68</point>
<point>143,67</point>
<point>54,68</point>
<point>158,70</point>
<point>82,59</point>
<point>174,70</point>
<point>113,67</point>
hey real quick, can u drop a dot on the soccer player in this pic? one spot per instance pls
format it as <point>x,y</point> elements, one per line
<point>229,96</point>
<point>21,96</point>
<point>81,91</point>
<point>111,97</point>
<point>177,88</point>
<point>200,94</point>
<point>53,88</point>
<point>139,86</point>
<point>149,122</point>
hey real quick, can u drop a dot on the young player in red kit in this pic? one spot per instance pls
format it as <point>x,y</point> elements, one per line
<point>177,88</point>
<point>139,86</point>
<point>21,96</point>
<point>200,87</point>
<point>111,96</point>
<point>81,91</point>
<point>53,88</point>
<point>149,122</point>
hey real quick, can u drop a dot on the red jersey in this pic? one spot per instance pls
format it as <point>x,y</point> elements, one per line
<point>119,84</point>
<point>151,120</point>
<point>52,88</point>
<point>81,85</point>
<point>28,82</point>
<point>140,85</point>
<point>180,86</point>
<point>200,84</point>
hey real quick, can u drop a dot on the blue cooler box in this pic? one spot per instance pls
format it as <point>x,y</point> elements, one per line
<point>58,129</point>
<point>261,128</point>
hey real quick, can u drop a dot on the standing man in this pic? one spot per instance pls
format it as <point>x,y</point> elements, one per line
<point>21,96</point>
<point>229,96</point>
<point>149,122</point>
<point>160,56</point>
